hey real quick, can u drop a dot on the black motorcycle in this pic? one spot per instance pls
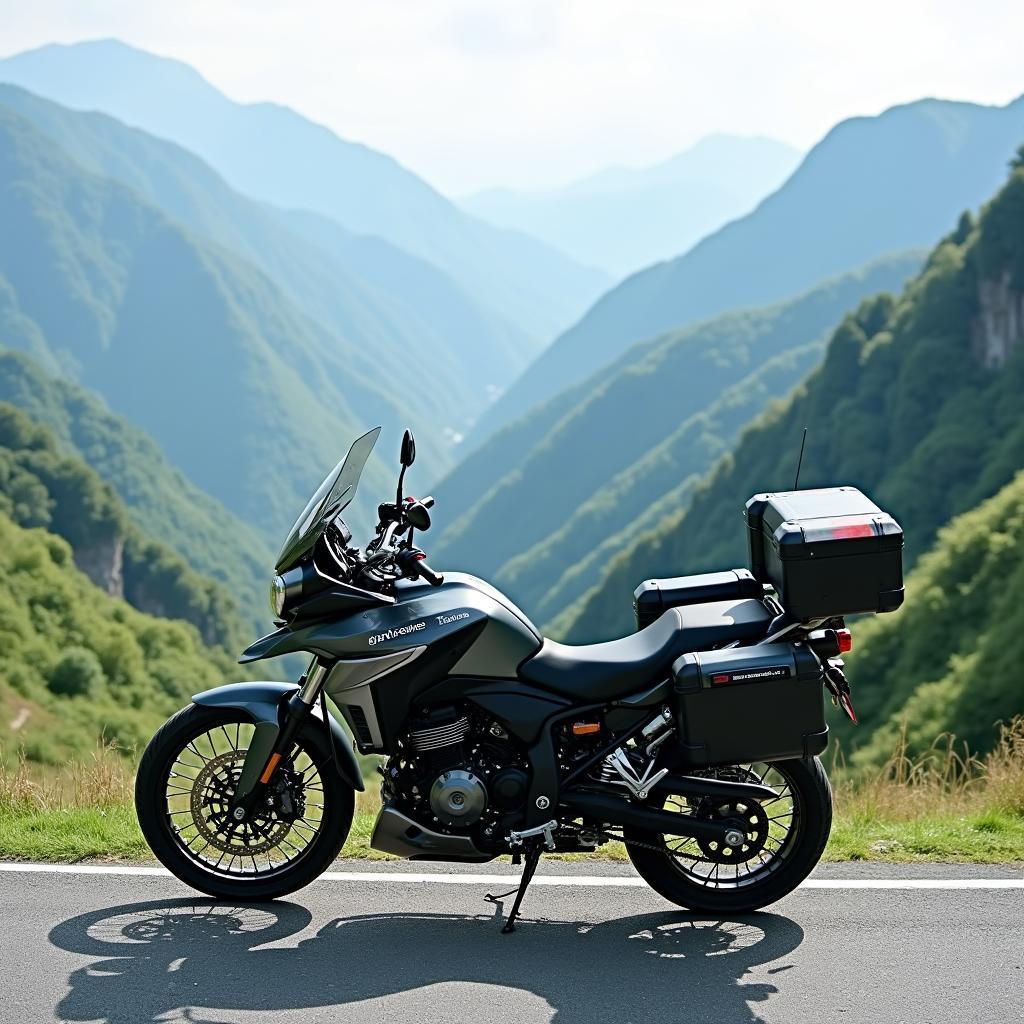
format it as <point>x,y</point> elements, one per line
<point>693,741</point>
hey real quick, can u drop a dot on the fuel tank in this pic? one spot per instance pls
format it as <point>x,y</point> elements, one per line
<point>465,615</point>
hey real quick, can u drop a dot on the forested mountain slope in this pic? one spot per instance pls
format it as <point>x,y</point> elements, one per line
<point>80,665</point>
<point>41,486</point>
<point>873,185</point>
<point>565,483</point>
<point>272,153</point>
<point>949,660</point>
<point>247,395</point>
<point>919,402</point>
<point>625,218</point>
<point>393,306</point>
<point>158,498</point>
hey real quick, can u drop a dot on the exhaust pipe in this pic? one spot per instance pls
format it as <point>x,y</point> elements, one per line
<point>616,811</point>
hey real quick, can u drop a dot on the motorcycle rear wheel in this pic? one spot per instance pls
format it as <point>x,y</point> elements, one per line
<point>183,790</point>
<point>784,840</point>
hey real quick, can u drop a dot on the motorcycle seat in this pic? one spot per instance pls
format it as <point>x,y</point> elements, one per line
<point>604,671</point>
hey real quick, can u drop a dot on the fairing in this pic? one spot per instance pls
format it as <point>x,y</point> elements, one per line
<point>462,607</point>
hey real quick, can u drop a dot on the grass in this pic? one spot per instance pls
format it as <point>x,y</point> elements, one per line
<point>946,805</point>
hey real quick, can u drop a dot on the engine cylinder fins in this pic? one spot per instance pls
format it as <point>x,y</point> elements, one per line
<point>436,737</point>
<point>458,798</point>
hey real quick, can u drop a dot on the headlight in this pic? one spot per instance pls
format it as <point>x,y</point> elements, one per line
<point>286,588</point>
<point>277,596</point>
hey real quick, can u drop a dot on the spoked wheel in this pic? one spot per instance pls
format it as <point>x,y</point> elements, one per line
<point>183,794</point>
<point>783,839</point>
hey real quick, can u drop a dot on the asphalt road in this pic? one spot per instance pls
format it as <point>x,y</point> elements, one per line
<point>383,944</point>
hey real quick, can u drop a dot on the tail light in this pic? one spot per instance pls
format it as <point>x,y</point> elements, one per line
<point>831,643</point>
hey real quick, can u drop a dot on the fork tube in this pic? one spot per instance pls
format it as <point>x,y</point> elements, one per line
<point>312,682</point>
<point>292,717</point>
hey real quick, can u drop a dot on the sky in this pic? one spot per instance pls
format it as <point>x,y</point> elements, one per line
<point>533,93</point>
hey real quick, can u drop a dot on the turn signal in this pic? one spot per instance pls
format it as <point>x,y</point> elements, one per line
<point>268,772</point>
<point>585,728</point>
<point>845,638</point>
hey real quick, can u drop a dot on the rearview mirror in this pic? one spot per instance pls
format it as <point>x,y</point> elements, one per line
<point>418,516</point>
<point>408,456</point>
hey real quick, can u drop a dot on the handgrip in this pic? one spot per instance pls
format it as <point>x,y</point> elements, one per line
<point>428,501</point>
<point>413,564</point>
<point>420,567</point>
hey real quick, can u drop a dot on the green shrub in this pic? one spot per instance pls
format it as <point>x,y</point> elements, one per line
<point>77,674</point>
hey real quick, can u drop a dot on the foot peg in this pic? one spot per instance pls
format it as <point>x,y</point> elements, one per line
<point>515,839</point>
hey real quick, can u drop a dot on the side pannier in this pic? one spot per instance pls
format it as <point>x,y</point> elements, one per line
<point>747,704</point>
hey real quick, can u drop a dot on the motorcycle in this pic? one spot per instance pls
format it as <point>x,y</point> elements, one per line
<point>693,741</point>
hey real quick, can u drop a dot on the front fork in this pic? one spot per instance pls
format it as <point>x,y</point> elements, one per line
<point>272,743</point>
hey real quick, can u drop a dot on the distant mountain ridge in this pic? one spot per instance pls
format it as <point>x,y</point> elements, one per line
<point>251,398</point>
<point>396,307</point>
<point>626,218</point>
<point>918,402</point>
<point>873,185</point>
<point>595,461</point>
<point>272,153</point>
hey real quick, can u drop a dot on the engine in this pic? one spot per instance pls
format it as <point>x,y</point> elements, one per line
<point>456,770</point>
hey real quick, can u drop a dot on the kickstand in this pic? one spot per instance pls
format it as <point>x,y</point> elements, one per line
<point>529,867</point>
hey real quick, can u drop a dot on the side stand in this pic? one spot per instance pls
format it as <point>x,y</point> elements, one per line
<point>529,867</point>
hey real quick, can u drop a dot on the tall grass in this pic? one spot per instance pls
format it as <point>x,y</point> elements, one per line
<point>945,779</point>
<point>104,779</point>
<point>946,804</point>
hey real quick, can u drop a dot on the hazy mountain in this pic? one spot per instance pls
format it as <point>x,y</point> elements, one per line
<point>625,218</point>
<point>873,185</point>
<point>918,402</point>
<point>555,494</point>
<point>250,397</point>
<point>272,153</point>
<point>402,310</point>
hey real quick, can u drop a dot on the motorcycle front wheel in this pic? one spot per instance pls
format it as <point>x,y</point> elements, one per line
<point>783,841</point>
<point>183,791</point>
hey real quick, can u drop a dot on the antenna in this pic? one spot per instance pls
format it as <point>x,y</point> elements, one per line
<point>800,461</point>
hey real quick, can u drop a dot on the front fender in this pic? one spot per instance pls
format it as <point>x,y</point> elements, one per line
<point>262,701</point>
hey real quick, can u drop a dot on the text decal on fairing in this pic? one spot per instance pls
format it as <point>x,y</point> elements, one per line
<point>394,634</point>
<point>443,620</point>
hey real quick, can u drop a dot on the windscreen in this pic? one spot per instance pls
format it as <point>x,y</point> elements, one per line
<point>334,494</point>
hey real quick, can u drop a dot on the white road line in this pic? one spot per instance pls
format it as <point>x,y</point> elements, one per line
<point>594,881</point>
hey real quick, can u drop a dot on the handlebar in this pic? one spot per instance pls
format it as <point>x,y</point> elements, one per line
<point>410,562</point>
<point>413,563</point>
<point>435,579</point>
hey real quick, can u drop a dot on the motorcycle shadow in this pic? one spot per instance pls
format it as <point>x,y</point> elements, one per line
<point>183,959</point>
